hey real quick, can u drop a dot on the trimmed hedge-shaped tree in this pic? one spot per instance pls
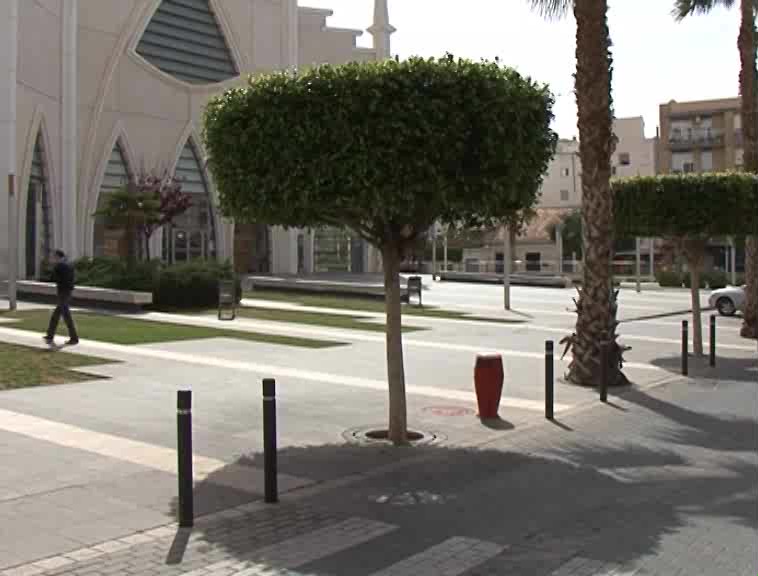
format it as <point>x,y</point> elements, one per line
<point>691,209</point>
<point>385,149</point>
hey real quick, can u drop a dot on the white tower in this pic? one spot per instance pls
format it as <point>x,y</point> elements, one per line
<point>381,30</point>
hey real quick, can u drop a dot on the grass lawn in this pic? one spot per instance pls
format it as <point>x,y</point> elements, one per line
<point>129,331</point>
<point>366,305</point>
<point>24,367</point>
<point>317,319</point>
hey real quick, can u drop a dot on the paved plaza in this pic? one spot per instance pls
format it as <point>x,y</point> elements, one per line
<point>662,480</point>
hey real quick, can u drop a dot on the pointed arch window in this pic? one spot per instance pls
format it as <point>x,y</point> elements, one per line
<point>192,235</point>
<point>38,214</point>
<point>184,39</point>
<point>107,241</point>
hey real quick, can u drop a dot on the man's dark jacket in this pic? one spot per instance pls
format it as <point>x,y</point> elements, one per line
<point>63,276</point>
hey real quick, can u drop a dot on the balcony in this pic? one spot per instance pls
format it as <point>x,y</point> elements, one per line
<point>696,138</point>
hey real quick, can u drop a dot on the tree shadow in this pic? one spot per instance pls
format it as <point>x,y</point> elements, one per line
<point>571,501</point>
<point>697,428</point>
<point>727,368</point>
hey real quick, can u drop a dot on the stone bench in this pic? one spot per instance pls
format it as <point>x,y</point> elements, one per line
<point>84,295</point>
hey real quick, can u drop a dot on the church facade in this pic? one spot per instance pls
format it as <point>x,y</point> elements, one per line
<point>95,92</point>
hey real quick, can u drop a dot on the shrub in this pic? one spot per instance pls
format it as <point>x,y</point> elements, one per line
<point>668,279</point>
<point>716,279</point>
<point>192,285</point>
<point>688,280</point>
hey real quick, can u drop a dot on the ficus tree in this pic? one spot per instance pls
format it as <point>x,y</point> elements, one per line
<point>690,209</point>
<point>385,149</point>
<point>747,43</point>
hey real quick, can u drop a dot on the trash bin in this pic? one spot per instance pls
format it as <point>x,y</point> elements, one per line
<point>415,287</point>
<point>488,383</point>
<point>227,300</point>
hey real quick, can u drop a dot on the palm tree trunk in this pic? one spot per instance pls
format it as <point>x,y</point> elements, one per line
<point>596,320</point>
<point>747,46</point>
<point>750,323</point>
<point>397,432</point>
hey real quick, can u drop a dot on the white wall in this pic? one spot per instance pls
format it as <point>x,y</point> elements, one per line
<point>632,142</point>
<point>8,29</point>
<point>564,174</point>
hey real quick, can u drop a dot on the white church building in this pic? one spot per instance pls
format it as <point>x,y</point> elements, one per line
<point>95,91</point>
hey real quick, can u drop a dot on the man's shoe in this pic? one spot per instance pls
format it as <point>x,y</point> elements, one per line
<point>72,342</point>
<point>48,339</point>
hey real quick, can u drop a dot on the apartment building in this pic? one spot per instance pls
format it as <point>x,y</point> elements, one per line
<point>700,136</point>
<point>94,91</point>
<point>562,191</point>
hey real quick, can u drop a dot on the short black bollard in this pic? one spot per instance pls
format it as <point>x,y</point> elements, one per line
<point>604,371</point>
<point>269,439</point>
<point>549,379</point>
<point>184,452</point>
<point>685,347</point>
<point>713,340</point>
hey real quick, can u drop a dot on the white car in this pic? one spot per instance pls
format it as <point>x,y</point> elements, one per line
<point>728,300</point>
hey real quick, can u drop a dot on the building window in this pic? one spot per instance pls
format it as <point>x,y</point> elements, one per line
<point>613,170</point>
<point>38,218</point>
<point>184,40</point>
<point>564,195</point>
<point>565,172</point>
<point>109,238</point>
<point>706,161</point>
<point>192,235</point>
<point>688,167</point>
<point>625,159</point>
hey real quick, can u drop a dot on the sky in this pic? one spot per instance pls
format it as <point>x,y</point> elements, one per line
<point>656,58</point>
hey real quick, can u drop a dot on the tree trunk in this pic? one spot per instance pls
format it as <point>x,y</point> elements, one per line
<point>697,320</point>
<point>747,47</point>
<point>395,371</point>
<point>596,320</point>
<point>147,247</point>
<point>750,323</point>
<point>694,251</point>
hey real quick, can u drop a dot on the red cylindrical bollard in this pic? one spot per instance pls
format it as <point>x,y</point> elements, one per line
<point>488,382</point>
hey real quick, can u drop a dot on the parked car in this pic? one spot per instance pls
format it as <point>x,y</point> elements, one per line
<point>728,300</point>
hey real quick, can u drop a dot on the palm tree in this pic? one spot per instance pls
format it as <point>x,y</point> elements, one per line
<point>747,47</point>
<point>596,321</point>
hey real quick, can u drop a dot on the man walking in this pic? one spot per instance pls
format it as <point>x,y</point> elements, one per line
<point>63,276</point>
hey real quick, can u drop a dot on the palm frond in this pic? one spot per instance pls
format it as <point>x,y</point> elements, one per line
<point>552,8</point>
<point>684,8</point>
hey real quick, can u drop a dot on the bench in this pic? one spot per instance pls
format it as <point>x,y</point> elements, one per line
<point>84,295</point>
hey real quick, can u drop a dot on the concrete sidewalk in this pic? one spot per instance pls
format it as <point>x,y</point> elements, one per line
<point>661,481</point>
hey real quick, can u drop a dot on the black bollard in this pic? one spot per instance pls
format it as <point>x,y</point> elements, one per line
<point>184,452</point>
<point>269,439</point>
<point>713,340</point>
<point>549,379</point>
<point>685,347</point>
<point>604,371</point>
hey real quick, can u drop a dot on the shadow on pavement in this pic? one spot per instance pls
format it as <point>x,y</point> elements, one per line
<point>576,500</point>
<point>727,368</point>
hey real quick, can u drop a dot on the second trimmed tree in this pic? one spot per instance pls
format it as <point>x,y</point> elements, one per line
<point>385,149</point>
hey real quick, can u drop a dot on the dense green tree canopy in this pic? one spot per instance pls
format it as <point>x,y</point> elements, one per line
<point>686,205</point>
<point>384,148</point>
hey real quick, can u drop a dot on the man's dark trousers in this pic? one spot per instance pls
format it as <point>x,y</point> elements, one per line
<point>62,309</point>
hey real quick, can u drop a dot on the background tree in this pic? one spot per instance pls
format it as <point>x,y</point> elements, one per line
<point>148,202</point>
<point>596,306</point>
<point>746,44</point>
<point>385,149</point>
<point>690,208</point>
<point>571,228</point>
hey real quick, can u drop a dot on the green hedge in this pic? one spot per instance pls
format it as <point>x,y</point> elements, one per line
<point>191,285</point>
<point>179,286</point>
<point>668,279</point>
<point>686,205</point>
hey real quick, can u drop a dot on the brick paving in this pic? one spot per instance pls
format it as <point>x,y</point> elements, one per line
<point>661,482</point>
